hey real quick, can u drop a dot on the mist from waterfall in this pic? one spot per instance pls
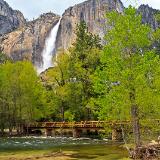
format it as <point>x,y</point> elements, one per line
<point>47,53</point>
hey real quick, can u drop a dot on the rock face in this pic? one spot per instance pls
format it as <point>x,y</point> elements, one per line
<point>27,42</point>
<point>92,12</point>
<point>9,19</point>
<point>148,15</point>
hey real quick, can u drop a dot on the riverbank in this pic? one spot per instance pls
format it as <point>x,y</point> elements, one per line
<point>61,155</point>
<point>41,155</point>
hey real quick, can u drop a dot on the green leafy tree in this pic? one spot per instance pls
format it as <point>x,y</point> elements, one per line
<point>57,78</point>
<point>84,59</point>
<point>127,81</point>
<point>3,58</point>
<point>22,96</point>
<point>70,78</point>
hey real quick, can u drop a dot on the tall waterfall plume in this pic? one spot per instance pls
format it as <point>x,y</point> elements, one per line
<point>47,53</point>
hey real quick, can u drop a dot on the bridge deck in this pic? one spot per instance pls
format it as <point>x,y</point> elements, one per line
<point>82,124</point>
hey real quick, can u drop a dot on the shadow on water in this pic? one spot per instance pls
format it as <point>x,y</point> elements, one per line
<point>99,152</point>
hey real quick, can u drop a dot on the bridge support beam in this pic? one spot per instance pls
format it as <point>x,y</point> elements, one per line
<point>117,135</point>
<point>49,132</point>
<point>53,132</point>
<point>76,133</point>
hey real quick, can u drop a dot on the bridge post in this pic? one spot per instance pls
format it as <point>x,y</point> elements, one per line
<point>117,135</point>
<point>53,132</point>
<point>75,133</point>
<point>48,132</point>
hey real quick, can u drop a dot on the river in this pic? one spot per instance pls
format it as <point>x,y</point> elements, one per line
<point>78,149</point>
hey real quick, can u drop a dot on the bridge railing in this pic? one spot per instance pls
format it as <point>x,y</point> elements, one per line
<point>82,124</point>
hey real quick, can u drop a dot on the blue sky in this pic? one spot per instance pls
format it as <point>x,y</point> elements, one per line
<point>33,8</point>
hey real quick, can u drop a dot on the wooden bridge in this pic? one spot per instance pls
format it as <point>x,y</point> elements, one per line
<point>80,125</point>
<point>78,128</point>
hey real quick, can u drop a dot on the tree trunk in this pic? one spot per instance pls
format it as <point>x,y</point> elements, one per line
<point>88,114</point>
<point>2,131</point>
<point>10,131</point>
<point>62,112</point>
<point>135,118</point>
<point>136,125</point>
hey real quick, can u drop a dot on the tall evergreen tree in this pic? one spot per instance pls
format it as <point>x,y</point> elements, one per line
<point>84,58</point>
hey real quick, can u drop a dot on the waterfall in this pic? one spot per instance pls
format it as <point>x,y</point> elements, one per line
<point>47,53</point>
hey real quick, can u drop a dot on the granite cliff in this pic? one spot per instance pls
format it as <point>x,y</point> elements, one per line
<point>9,19</point>
<point>92,12</point>
<point>149,15</point>
<point>27,42</point>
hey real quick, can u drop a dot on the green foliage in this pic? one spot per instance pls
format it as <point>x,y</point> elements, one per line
<point>129,75</point>
<point>89,82</point>
<point>156,40</point>
<point>21,94</point>
<point>70,79</point>
<point>84,59</point>
<point>85,40</point>
<point>3,58</point>
<point>58,79</point>
<point>157,17</point>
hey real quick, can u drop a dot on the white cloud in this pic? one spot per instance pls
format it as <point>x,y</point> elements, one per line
<point>33,8</point>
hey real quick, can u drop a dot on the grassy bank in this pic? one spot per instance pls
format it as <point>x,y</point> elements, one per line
<point>77,152</point>
<point>41,155</point>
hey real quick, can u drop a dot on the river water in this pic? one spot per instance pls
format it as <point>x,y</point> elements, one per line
<point>82,149</point>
